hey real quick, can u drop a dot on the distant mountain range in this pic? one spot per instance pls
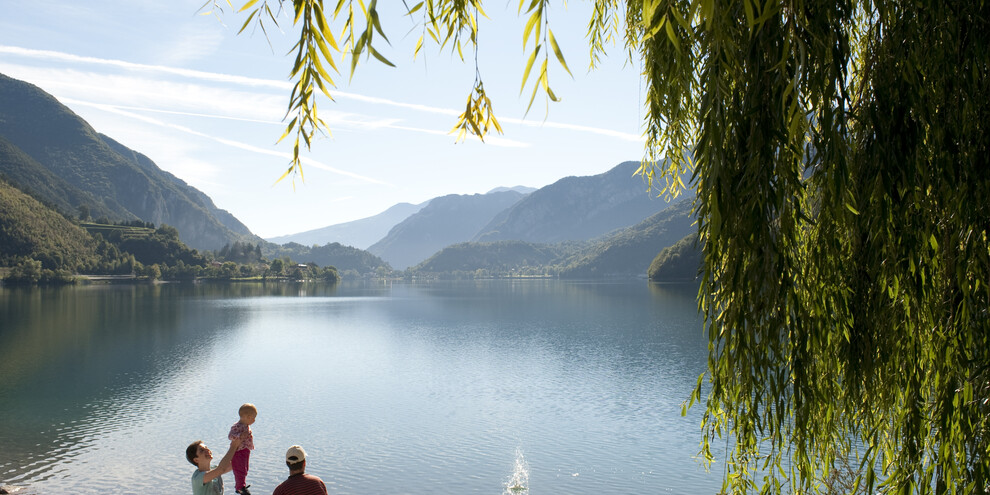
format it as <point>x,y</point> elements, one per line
<point>571,210</point>
<point>358,233</point>
<point>603,225</point>
<point>576,208</point>
<point>47,149</point>
<point>623,253</point>
<point>444,221</point>
<point>367,231</point>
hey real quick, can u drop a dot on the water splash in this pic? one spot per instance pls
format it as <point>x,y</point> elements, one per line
<point>519,481</point>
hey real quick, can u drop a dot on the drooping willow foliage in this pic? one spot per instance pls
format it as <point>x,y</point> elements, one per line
<point>840,157</point>
<point>841,163</point>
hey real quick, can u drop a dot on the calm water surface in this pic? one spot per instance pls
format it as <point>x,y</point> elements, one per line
<point>453,388</point>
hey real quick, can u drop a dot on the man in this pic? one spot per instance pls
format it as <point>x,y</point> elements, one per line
<point>207,481</point>
<point>299,483</point>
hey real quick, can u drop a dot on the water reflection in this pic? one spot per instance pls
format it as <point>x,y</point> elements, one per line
<point>401,388</point>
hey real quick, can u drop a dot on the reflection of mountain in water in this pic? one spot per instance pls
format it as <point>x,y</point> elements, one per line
<point>98,348</point>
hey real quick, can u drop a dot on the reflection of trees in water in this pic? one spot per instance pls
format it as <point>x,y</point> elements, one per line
<point>68,355</point>
<point>50,332</point>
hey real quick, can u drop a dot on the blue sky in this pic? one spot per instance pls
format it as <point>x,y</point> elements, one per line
<point>207,106</point>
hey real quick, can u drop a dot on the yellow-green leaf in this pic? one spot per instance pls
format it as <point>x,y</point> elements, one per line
<point>558,53</point>
<point>672,36</point>
<point>529,66</point>
<point>379,56</point>
<point>247,5</point>
<point>415,8</point>
<point>246,22</point>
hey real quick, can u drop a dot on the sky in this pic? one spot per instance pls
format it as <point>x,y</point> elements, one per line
<point>207,105</point>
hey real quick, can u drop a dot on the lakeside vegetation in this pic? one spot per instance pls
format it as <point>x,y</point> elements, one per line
<point>39,245</point>
<point>680,262</point>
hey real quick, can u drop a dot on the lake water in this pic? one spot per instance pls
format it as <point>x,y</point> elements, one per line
<point>452,388</point>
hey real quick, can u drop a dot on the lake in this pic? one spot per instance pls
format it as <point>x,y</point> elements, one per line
<point>406,388</point>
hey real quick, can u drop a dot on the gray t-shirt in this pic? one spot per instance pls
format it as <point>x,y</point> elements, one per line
<point>214,487</point>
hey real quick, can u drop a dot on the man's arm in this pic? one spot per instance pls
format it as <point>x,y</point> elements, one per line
<point>224,466</point>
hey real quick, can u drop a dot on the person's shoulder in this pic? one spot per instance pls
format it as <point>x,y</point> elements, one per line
<point>317,483</point>
<point>313,479</point>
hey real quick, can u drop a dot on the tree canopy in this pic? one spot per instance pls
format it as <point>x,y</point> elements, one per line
<point>839,152</point>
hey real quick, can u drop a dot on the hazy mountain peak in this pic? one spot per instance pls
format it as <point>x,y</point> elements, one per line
<point>357,233</point>
<point>518,189</point>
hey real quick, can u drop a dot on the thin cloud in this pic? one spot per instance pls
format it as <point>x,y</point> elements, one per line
<point>188,73</point>
<point>341,119</point>
<point>107,107</point>
<point>285,85</point>
<point>230,142</point>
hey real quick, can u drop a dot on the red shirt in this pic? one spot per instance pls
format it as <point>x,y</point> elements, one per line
<point>301,484</point>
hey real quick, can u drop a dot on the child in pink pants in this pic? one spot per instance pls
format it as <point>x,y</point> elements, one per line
<point>239,463</point>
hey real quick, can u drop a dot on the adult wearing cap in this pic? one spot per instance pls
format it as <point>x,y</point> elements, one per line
<point>299,483</point>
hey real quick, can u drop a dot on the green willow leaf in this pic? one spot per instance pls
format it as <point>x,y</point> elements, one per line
<point>558,53</point>
<point>247,5</point>
<point>529,66</point>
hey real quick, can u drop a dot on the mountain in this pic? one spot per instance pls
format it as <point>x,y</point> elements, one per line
<point>677,263</point>
<point>367,231</point>
<point>623,253</point>
<point>518,189</point>
<point>628,252</point>
<point>444,221</point>
<point>26,174</point>
<point>28,228</point>
<point>576,208</point>
<point>73,167</point>
<point>359,233</point>
<point>494,257</point>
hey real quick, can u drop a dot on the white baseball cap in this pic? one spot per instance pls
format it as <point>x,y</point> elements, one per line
<point>295,454</point>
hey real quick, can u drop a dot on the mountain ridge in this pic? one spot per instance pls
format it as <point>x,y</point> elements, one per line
<point>105,177</point>
<point>444,221</point>
<point>576,208</point>
<point>360,233</point>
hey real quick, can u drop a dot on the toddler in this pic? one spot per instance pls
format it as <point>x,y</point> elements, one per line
<point>242,429</point>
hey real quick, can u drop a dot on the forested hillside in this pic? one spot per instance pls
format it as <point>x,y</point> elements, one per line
<point>500,258</point>
<point>628,252</point>
<point>679,262</point>
<point>623,253</point>
<point>348,260</point>
<point>48,149</point>
<point>576,208</point>
<point>29,229</point>
<point>25,173</point>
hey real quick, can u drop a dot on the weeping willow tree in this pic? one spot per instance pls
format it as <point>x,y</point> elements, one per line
<point>840,157</point>
<point>839,152</point>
